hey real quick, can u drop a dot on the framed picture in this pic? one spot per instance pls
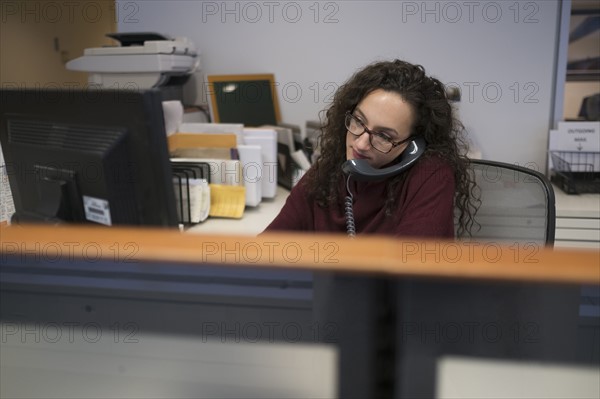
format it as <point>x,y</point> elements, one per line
<point>583,60</point>
<point>248,99</point>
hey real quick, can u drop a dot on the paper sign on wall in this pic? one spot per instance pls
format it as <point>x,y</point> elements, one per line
<point>576,136</point>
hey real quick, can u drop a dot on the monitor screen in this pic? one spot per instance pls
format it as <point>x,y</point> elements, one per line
<point>87,156</point>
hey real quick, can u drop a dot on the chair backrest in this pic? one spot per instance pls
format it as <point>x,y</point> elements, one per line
<point>517,205</point>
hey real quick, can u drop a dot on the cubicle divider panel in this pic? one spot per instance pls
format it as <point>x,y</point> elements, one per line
<point>237,304</point>
<point>498,321</point>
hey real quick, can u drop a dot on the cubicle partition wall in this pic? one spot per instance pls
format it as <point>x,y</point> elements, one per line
<point>126,312</point>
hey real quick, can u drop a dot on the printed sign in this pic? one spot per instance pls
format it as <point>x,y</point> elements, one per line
<point>576,136</point>
<point>97,210</point>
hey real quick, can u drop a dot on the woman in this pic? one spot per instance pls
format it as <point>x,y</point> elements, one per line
<point>373,117</point>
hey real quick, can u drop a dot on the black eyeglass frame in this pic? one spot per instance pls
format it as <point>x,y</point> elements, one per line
<point>350,115</point>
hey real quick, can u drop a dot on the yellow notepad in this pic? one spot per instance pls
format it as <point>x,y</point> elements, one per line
<point>227,201</point>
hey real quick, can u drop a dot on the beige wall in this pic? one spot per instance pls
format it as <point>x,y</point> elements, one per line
<point>37,38</point>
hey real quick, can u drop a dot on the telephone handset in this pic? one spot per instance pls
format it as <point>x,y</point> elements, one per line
<point>361,170</point>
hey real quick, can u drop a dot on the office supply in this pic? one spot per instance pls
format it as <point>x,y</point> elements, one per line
<point>182,190</point>
<point>298,176</point>
<point>301,165</point>
<point>197,169</point>
<point>267,140</point>
<point>227,191</point>
<point>285,135</point>
<point>222,171</point>
<point>227,201</point>
<point>251,159</point>
<point>214,128</point>
<point>196,113</point>
<point>574,161</point>
<point>576,172</point>
<point>311,141</point>
<point>173,114</point>
<point>142,61</point>
<point>300,159</point>
<point>191,140</point>
<point>296,133</point>
<point>195,200</point>
<point>192,191</point>
<point>205,152</point>
<point>291,160</point>
<point>267,170</point>
<point>186,145</point>
<point>255,219</point>
<point>247,99</point>
<point>360,169</point>
<point>73,159</point>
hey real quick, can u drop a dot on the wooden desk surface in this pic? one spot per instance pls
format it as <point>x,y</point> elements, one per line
<point>373,255</point>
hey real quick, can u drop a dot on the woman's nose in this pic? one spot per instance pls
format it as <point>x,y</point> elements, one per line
<point>362,142</point>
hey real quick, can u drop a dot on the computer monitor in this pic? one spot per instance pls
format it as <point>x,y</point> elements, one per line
<point>87,156</point>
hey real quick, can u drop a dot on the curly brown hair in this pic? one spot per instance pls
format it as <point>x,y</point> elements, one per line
<point>434,120</point>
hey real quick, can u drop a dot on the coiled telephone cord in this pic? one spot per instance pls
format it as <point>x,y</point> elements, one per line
<point>349,212</point>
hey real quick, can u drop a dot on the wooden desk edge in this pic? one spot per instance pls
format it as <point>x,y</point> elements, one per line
<point>373,255</point>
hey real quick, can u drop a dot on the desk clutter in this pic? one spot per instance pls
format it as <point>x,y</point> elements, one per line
<point>248,150</point>
<point>239,165</point>
<point>219,169</point>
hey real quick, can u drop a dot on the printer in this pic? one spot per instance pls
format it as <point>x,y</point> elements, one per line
<point>142,60</point>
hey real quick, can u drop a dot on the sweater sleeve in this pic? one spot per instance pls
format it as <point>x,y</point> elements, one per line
<point>426,203</point>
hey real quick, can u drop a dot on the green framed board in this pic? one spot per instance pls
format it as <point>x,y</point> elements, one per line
<point>248,99</point>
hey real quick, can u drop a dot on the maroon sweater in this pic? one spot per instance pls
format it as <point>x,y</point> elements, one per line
<point>424,207</point>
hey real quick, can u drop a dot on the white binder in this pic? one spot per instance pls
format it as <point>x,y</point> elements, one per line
<point>267,140</point>
<point>251,159</point>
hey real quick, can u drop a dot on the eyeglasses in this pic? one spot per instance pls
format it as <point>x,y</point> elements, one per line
<point>378,140</point>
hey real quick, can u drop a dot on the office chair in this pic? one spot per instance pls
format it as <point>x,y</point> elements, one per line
<point>517,205</point>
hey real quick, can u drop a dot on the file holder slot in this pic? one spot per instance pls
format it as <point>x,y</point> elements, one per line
<point>179,196</point>
<point>186,201</point>
<point>201,170</point>
<point>183,172</point>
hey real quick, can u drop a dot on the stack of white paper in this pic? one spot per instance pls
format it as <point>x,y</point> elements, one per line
<point>196,206</point>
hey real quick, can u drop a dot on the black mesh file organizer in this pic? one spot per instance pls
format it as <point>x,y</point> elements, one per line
<point>183,172</point>
<point>576,172</point>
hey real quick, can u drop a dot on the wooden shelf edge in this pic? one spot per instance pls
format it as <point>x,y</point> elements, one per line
<point>371,255</point>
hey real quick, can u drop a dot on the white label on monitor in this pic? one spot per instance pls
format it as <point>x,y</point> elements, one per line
<point>97,210</point>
